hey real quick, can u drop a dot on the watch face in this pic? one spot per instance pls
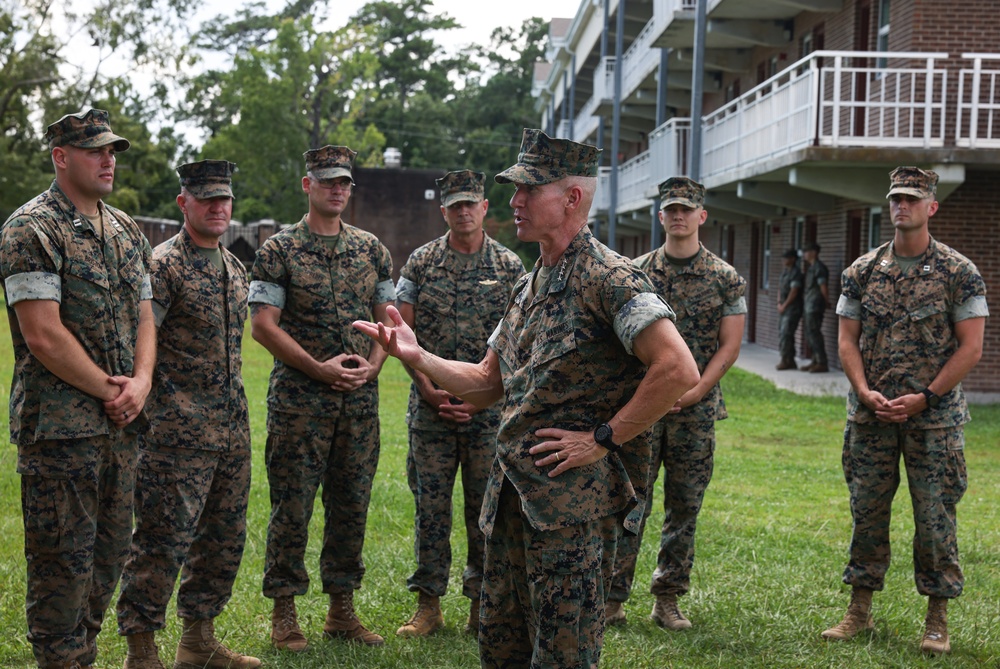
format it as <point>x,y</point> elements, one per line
<point>602,433</point>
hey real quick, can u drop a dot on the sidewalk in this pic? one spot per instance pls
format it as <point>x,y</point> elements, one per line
<point>761,361</point>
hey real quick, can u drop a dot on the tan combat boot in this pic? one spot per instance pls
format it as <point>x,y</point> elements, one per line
<point>935,639</point>
<point>285,631</point>
<point>666,614</point>
<point>472,624</point>
<point>614,613</point>
<point>199,649</point>
<point>342,622</point>
<point>857,619</point>
<point>427,620</point>
<point>142,652</point>
<point>786,364</point>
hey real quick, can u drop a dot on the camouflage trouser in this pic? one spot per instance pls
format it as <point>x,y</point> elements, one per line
<point>812,326</point>
<point>788,323</point>
<point>76,501</point>
<point>431,466</point>
<point>190,510</point>
<point>544,592</point>
<point>935,472</point>
<point>341,453</point>
<point>686,451</point>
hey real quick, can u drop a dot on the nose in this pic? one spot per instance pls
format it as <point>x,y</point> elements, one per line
<point>517,199</point>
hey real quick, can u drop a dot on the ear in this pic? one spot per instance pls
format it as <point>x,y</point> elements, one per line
<point>486,206</point>
<point>703,217</point>
<point>574,197</point>
<point>932,209</point>
<point>59,157</point>
<point>181,202</point>
<point>305,184</point>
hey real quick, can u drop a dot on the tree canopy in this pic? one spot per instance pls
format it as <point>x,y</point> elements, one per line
<point>259,87</point>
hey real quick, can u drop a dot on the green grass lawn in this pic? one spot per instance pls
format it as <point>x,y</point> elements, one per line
<point>772,542</point>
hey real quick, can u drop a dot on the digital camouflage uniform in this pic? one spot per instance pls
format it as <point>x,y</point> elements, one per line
<point>566,362</point>
<point>816,275</point>
<point>77,469</point>
<point>193,480</point>
<point>318,435</point>
<point>456,304</point>
<point>788,321</point>
<point>907,335</point>
<point>702,293</point>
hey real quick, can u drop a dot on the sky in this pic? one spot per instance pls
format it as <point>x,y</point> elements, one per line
<point>479,18</point>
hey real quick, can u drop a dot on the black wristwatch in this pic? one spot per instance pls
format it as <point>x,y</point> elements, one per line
<point>604,436</point>
<point>933,400</point>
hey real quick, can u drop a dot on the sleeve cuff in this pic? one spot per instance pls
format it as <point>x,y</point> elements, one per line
<point>33,286</point>
<point>263,292</point>
<point>637,314</point>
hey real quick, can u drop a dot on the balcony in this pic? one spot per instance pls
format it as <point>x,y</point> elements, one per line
<point>978,113</point>
<point>639,176</point>
<point>830,99</point>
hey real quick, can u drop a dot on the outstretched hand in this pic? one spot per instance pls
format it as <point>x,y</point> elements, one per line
<point>398,340</point>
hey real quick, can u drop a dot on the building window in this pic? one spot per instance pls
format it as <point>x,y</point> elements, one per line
<point>799,233</point>
<point>882,39</point>
<point>765,261</point>
<point>874,228</point>
<point>733,90</point>
<point>724,241</point>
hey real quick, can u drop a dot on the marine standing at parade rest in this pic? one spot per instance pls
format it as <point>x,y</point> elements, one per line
<point>570,360</point>
<point>309,282</point>
<point>452,292</point>
<point>912,318</point>
<point>76,280</point>
<point>790,303</point>
<point>708,297</point>
<point>817,300</point>
<point>193,479</point>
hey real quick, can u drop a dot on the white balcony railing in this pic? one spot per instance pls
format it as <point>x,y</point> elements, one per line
<point>639,176</point>
<point>977,124</point>
<point>828,99</point>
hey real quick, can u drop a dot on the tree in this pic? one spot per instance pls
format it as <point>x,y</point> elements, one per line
<point>415,79</point>
<point>297,91</point>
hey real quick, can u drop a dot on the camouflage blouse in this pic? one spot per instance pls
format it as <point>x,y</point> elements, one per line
<point>197,399</point>
<point>566,361</point>
<point>456,305</point>
<point>320,293</point>
<point>908,325</point>
<point>49,251</point>
<point>701,293</point>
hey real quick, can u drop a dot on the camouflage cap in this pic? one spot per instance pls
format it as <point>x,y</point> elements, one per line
<point>330,162</point>
<point>682,190</point>
<point>89,129</point>
<point>206,179</point>
<point>461,186</point>
<point>790,253</point>
<point>912,181</point>
<point>543,160</point>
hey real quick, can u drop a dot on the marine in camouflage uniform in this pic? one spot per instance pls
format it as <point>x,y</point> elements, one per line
<point>708,297</point>
<point>912,317</point>
<point>193,480</point>
<point>452,291</point>
<point>569,356</point>
<point>76,281</point>
<point>790,304</point>
<point>816,299</point>
<point>309,283</point>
